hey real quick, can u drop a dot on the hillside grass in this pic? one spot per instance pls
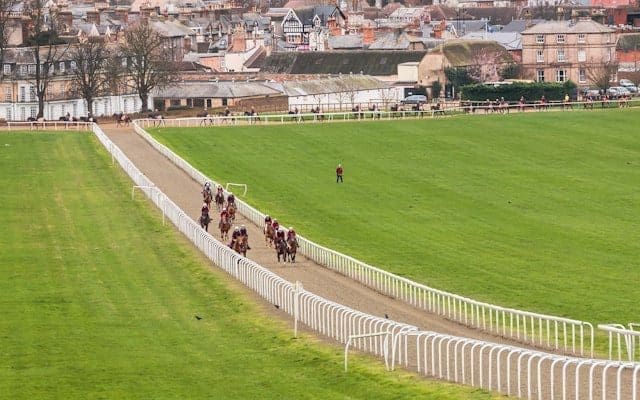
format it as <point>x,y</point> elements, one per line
<point>537,211</point>
<point>98,300</point>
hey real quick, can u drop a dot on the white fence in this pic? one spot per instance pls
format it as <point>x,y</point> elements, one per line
<point>331,319</point>
<point>506,369</point>
<point>620,334</point>
<point>50,126</point>
<point>541,330</point>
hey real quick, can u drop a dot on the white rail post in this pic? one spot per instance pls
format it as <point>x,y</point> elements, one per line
<point>138,187</point>
<point>297,289</point>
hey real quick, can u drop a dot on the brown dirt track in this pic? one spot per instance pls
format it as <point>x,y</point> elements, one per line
<point>185,192</point>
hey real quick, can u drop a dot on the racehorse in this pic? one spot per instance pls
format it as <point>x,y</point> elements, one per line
<point>281,249</point>
<point>206,196</point>
<point>231,210</point>
<point>204,221</point>
<point>269,235</point>
<point>292,249</point>
<point>219,199</point>
<point>122,119</point>
<point>224,226</point>
<point>240,245</point>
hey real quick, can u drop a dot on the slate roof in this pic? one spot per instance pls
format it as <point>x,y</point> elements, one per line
<point>589,26</point>
<point>376,63</point>
<point>509,40</point>
<point>519,25</point>
<point>345,42</point>
<point>495,15</point>
<point>333,85</point>
<point>223,89</point>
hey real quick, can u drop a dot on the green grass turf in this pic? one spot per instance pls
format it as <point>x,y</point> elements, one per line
<point>536,211</point>
<point>97,300</point>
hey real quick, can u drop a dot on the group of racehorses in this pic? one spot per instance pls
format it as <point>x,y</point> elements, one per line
<point>274,236</point>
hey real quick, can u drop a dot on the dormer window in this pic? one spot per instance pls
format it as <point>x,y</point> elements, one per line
<point>540,39</point>
<point>560,38</point>
<point>61,66</point>
<point>6,69</point>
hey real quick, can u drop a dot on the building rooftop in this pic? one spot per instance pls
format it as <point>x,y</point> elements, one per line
<point>579,26</point>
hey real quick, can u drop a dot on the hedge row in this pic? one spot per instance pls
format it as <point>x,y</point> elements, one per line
<point>513,92</point>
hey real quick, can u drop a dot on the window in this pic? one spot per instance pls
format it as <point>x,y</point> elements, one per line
<point>582,55</point>
<point>124,61</point>
<point>582,75</point>
<point>9,115</point>
<point>561,56</point>
<point>540,56</point>
<point>608,37</point>
<point>72,65</point>
<point>7,94</point>
<point>561,75</point>
<point>560,38</point>
<point>32,69</point>
<point>23,94</point>
<point>33,112</point>
<point>607,56</point>
<point>540,39</point>
<point>23,70</point>
<point>540,75</point>
<point>582,38</point>
<point>61,66</point>
<point>6,69</point>
<point>32,93</point>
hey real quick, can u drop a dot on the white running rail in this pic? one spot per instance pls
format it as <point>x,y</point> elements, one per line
<point>620,334</point>
<point>330,319</point>
<point>564,334</point>
<point>506,369</point>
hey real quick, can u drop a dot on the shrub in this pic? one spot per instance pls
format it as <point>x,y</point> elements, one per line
<point>513,92</point>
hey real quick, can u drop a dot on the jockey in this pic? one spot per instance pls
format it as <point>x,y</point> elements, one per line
<point>231,199</point>
<point>275,225</point>
<point>291,235</point>
<point>280,234</point>
<point>205,209</point>
<point>224,214</point>
<point>220,191</point>
<point>267,220</point>
<point>243,232</point>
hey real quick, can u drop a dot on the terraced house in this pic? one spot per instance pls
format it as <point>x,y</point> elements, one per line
<point>567,50</point>
<point>18,99</point>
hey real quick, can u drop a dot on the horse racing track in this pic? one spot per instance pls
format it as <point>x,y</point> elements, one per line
<point>99,299</point>
<point>534,211</point>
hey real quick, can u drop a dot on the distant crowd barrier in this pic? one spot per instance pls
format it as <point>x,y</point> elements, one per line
<point>506,369</point>
<point>557,333</point>
<point>428,110</point>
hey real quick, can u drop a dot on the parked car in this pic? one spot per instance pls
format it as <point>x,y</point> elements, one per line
<point>415,99</point>
<point>626,83</point>
<point>617,91</point>
<point>593,93</point>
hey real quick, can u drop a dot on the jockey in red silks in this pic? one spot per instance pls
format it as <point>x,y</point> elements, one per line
<point>275,225</point>
<point>224,214</point>
<point>291,234</point>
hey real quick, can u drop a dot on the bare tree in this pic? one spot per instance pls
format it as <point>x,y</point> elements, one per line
<point>146,67</point>
<point>342,97</point>
<point>93,75</point>
<point>387,96</point>
<point>602,75</point>
<point>485,65</point>
<point>48,49</point>
<point>6,28</point>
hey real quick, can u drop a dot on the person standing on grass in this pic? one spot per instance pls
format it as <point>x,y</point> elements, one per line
<point>339,172</point>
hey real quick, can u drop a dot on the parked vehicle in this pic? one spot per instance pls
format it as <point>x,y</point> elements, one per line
<point>415,99</point>
<point>618,91</point>
<point>626,83</point>
<point>593,93</point>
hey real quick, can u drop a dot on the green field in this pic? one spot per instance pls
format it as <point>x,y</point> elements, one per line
<point>97,300</point>
<point>536,211</point>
